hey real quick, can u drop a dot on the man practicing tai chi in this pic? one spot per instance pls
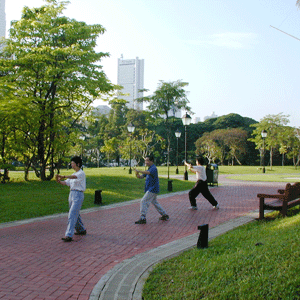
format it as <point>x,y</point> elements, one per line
<point>201,185</point>
<point>151,191</point>
<point>77,184</point>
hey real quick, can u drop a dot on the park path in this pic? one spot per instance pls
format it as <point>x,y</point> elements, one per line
<point>36,264</point>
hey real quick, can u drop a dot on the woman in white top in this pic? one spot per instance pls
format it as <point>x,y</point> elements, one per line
<point>77,184</point>
<point>201,185</point>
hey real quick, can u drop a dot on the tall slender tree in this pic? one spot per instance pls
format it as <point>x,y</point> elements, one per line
<point>165,101</point>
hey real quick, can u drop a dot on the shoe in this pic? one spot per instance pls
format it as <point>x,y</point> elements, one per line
<point>193,207</point>
<point>164,217</point>
<point>81,233</point>
<point>67,239</point>
<point>141,221</point>
<point>216,207</point>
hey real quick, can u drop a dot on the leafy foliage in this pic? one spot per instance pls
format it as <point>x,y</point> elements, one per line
<point>53,74</point>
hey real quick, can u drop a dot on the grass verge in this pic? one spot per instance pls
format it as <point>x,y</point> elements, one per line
<point>254,261</point>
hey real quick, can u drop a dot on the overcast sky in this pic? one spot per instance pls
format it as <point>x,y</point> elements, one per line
<point>227,51</point>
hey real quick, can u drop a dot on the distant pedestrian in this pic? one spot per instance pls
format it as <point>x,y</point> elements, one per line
<point>151,191</point>
<point>77,184</point>
<point>201,185</point>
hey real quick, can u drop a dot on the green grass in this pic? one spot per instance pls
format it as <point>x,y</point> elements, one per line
<point>268,178</point>
<point>250,173</point>
<point>258,170</point>
<point>255,261</point>
<point>23,200</point>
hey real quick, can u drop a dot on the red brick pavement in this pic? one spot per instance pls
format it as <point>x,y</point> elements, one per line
<point>36,264</point>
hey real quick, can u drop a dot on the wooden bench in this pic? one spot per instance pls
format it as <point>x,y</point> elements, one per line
<point>285,199</point>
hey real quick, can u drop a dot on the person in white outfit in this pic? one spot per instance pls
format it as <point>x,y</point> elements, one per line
<point>201,185</point>
<point>77,184</point>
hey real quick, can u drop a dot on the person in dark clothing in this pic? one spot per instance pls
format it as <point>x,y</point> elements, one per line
<point>201,185</point>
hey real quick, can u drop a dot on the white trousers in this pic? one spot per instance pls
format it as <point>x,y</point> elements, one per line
<point>74,219</point>
<point>145,203</point>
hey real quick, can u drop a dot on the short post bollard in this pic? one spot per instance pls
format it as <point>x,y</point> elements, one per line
<point>203,237</point>
<point>98,197</point>
<point>170,188</point>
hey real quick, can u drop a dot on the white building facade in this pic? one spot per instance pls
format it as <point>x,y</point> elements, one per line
<point>2,18</point>
<point>131,77</point>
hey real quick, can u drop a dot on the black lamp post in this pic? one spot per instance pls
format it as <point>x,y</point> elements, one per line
<point>186,120</point>
<point>130,128</point>
<point>178,135</point>
<point>264,135</point>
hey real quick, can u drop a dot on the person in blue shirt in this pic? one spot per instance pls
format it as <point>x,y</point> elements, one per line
<point>151,191</point>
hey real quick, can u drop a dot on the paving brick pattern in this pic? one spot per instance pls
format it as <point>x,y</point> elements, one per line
<point>36,264</point>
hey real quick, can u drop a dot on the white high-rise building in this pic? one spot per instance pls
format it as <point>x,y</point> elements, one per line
<point>2,18</point>
<point>131,77</point>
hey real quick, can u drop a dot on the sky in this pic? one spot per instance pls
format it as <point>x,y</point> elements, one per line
<point>227,50</point>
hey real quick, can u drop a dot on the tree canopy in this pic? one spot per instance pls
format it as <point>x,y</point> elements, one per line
<point>51,70</point>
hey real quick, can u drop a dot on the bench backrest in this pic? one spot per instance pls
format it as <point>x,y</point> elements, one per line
<point>292,192</point>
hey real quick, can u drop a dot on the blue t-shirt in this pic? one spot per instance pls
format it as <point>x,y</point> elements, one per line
<point>152,182</point>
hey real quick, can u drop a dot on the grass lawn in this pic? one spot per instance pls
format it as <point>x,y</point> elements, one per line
<point>258,170</point>
<point>23,200</point>
<point>255,261</point>
<point>250,173</point>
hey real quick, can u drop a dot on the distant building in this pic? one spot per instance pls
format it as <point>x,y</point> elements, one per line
<point>102,110</point>
<point>213,115</point>
<point>2,19</point>
<point>196,120</point>
<point>175,113</point>
<point>131,77</point>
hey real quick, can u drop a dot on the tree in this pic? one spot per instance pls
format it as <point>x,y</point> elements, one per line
<point>222,143</point>
<point>166,100</point>
<point>110,147</point>
<point>235,139</point>
<point>53,68</point>
<point>273,124</point>
<point>295,148</point>
<point>206,146</point>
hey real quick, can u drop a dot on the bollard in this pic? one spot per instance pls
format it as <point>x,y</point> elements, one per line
<point>98,197</point>
<point>203,237</point>
<point>170,188</point>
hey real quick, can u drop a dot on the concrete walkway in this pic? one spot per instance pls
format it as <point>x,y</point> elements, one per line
<point>113,259</point>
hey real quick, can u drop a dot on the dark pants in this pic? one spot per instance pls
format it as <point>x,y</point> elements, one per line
<point>201,187</point>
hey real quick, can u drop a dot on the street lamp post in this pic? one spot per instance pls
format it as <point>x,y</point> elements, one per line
<point>178,135</point>
<point>130,128</point>
<point>264,135</point>
<point>186,120</point>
